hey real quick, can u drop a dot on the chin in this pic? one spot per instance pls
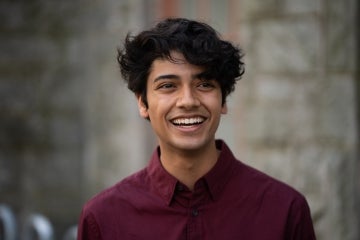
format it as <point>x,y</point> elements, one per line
<point>191,144</point>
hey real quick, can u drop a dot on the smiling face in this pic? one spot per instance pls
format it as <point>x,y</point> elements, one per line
<point>184,108</point>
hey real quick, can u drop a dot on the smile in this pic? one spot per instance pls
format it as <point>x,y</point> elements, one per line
<point>188,121</point>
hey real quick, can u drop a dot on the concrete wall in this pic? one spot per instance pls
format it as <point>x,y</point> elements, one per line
<point>69,127</point>
<point>299,104</point>
<point>66,117</point>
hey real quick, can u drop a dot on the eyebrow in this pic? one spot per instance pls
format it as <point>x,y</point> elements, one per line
<point>166,76</point>
<point>200,75</point>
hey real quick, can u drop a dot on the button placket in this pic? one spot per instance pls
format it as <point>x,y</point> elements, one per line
<point>195,212</point>
<point>180,188</point>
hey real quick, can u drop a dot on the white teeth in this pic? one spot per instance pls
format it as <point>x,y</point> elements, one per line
<point>188,121</point>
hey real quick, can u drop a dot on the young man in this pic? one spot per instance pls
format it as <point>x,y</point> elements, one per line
<point>193,187</point>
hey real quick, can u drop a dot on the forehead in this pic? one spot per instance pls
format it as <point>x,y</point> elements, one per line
<point>175,64</point>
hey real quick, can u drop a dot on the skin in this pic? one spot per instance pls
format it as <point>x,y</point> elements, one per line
<point>184,110</point>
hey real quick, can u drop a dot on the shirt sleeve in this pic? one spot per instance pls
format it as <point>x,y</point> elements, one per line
<point>300,226</point>
<point>88,229</point>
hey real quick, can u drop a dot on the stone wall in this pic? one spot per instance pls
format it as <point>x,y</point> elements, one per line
<point>299,104</point>
<point>66,118</point>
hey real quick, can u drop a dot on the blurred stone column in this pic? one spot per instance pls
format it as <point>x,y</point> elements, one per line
<point>298,104</point>
<point>68,126</point>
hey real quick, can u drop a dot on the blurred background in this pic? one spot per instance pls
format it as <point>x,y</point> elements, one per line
<point>70,128</point>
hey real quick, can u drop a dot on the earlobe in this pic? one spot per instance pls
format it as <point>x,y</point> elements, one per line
<point>224,109</point>
<point>142,108</point>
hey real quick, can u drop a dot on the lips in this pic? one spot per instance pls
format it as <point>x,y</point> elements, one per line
<point>188,121</point>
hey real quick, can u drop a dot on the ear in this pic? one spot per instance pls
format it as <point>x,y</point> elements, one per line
<point>224,109</point>
<point>142,108</point>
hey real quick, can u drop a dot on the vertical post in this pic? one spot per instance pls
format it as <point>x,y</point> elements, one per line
<point>40,226</point>
<point>7,220</point>
<point>357,82</point>
<point>71,233</point>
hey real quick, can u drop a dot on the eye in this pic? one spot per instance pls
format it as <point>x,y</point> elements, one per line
<point>206,85</point>
<point>166,86</point>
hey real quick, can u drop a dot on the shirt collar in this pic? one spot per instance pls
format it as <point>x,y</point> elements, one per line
<point>164,184</point>
<point>220,174</point>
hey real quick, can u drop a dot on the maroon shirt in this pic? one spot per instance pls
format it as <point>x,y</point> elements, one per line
<point>232,201</point>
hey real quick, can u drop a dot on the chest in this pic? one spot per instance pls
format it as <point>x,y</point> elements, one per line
<point>199,218</point>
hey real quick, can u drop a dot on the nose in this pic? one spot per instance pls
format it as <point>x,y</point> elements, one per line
<point>187,98</point>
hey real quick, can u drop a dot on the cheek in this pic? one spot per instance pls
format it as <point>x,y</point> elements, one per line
<point>214,102</point>
<point>160,104</point>
<point>154,110</point>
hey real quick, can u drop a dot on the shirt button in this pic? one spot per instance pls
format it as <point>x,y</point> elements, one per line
<point>195,212</point>
<point>180,188</point>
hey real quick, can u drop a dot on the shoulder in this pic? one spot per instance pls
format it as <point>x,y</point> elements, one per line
<point>116,195</point>
<point>262,185</point>
<point>274,201</point>
<point>244,180</point>
<point>259,190</point>
<point>110,209</point>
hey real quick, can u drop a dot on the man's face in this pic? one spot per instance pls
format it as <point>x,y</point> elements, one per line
<point>184,108</point>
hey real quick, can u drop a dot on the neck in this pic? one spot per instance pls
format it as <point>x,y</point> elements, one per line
<point>189,166</point>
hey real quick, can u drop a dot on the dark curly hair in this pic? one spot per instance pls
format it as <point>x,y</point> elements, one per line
<point>198,42</point>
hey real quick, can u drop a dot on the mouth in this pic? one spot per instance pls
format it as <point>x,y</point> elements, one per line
<point>187,122</point>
